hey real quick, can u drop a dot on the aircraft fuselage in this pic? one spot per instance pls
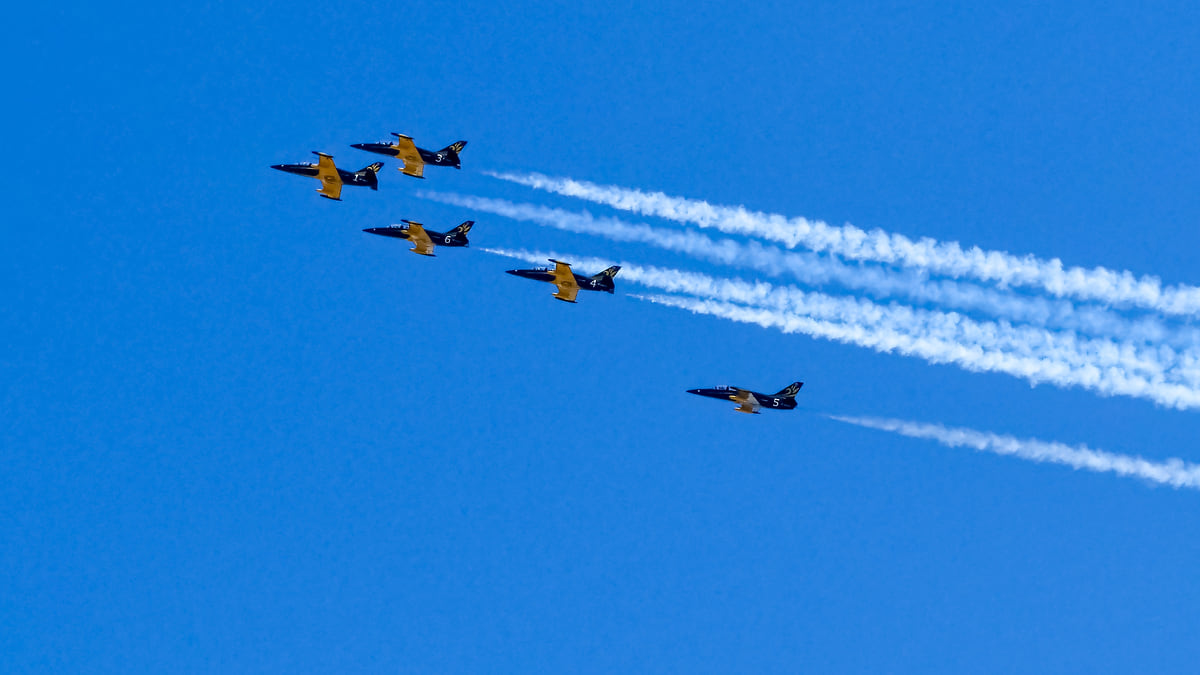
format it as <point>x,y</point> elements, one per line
<point>764,400</point>
<point>585,283</point>
<point>439,238</point>
<point>439,158</point>
<point>310,170</point>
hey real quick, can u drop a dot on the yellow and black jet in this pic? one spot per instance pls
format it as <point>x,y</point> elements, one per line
<point>415,158</point>
<point>332,178</point>
<point>424,240</point>
<point>568,283</point>
<point>752,401</point>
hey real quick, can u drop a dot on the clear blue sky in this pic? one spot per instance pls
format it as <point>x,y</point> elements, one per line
<point>237,434</point>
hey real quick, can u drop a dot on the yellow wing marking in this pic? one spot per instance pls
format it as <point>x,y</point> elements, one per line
<point>567,294</point>
<point>745,400</point>
<point>406,151</point>
<point>564,279</point>
<point>423,245</point>
<point>331,182</point>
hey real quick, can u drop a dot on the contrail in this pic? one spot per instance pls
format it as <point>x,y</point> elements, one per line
<point>814,269</point>
<point>1109,381</point>
<point>1173,472</point>
<point>1035,346</point>
<point>935,337</point>
<point>948,258</point>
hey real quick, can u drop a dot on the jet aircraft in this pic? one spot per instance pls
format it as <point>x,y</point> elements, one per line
<point>567,282</point>
<point>332,178</point>
<point>424,239</point>
<point>751,401</point>
<point>415,158</point>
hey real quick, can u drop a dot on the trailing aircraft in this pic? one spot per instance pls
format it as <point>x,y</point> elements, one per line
<point>332,178</point>
<point>424,239</point>
<point>567,282</point>
<point>751,401</point>
<point>415,158</point>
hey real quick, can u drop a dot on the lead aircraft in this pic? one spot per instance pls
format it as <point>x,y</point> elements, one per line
<point>423,240</point>
<point>332,178</point>
<point>752,401</point>
<point>415,158</point>
<point>566,282</point>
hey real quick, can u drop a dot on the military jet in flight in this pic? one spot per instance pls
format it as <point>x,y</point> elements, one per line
<point>425,239</point>
<point>332,178</point>
<point>751,401</point>
<point>415,158</point>
<point>567,282</point>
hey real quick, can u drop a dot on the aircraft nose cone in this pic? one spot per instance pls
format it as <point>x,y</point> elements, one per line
<point>277,167</point>
<point>358,146</point>
<point>374,230</point>
<point>693,391</point>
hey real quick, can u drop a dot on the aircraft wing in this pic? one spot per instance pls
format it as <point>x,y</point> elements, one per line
<point>564,280</point>
<point>746,401</point>
<point>423,245</point>
<point>567,294</point>
<point>331,182</point>
<point>406,151</point>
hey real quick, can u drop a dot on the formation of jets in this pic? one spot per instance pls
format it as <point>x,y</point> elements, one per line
<point>567,283</point>
<point>414,160</point>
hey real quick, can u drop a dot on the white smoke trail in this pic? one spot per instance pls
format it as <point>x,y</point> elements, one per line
<point>936,337</point>
<point>1120,288</point>
<point>1035,346</point>
<point>888,338</point>
<point>814,269</point>
<point>1173,472</point>
<point>917,341</point>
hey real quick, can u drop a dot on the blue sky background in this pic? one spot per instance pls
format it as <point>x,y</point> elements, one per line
<point>239,435</point>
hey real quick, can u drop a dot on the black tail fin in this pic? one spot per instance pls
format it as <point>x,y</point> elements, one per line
<point>608,273</point>
<point>368,173</point>
<point>460,233</point>
<point>603,281</point>
<point>451,153</point>
<point>790,391</point>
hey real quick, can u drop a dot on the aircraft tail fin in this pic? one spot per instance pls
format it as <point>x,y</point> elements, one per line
<point>451,151</point>
<point>368,173</point>
<point>608,273</point>
<point>790,391</point>
<point>605,278</point>
<point>459,234</point>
